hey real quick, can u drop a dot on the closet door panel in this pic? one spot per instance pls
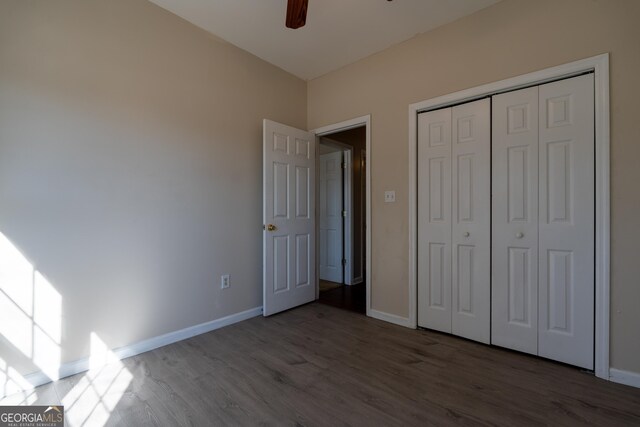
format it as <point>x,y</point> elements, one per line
<point>514,247</point>
<point>434,220</point>
<point>470,216</point>
<point>566,212</point>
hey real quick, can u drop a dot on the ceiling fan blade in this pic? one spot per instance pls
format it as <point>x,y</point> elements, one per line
<point>296,13</point>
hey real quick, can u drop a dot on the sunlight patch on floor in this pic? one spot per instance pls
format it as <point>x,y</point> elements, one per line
<point>92,400</point>
<point>15,387</point>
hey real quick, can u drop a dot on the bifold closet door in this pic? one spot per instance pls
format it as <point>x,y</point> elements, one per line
<point>514,312</point>
<point>543,220</point>
<point>567,218</point>
<point>471,221</point>
<point>454,220</point>
<point>434,220</point>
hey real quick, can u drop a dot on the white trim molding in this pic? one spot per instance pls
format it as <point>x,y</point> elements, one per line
<point>339,127</point>
<point>391,318</point>
<point>624,377</point>
<point>39,378</point>
<point>599,65</point>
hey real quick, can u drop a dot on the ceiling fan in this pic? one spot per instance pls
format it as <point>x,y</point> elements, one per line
<point>296,13</point>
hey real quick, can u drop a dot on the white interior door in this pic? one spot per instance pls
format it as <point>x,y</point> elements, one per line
<point>289,217</point>
<point>434,220</point>
<point>566,216</point>
<point>471,220</point>
<point>331,219</point>
<point>514,317</point>
<point>347,202</point>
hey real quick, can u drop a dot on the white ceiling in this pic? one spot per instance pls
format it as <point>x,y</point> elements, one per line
<point>338,32</point>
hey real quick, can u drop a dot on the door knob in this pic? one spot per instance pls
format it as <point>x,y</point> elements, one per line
<point>271,227</point>
<point>520,235</point>
<point>466,234</point>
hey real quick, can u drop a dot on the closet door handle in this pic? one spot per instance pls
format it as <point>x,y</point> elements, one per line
<point>466,234</point>
<point>520,235</point>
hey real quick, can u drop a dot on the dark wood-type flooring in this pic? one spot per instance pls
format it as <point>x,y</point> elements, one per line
<point>321,366</point>
<point>352,297</point>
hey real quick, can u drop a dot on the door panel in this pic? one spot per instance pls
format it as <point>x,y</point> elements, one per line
<point>434,220</point>
<point>280,190</point>
<point>566,248</point>
<point>280,264</point>
<point>331,219</point>
<point>465,282</point>
<point>303,188</point>
<point>303,249</point>
<point>518,182</point>
<point>471,216</point>
<point>437,276</point>
<point>288,206</point>
<point>514,295</point>
<point>519,287</point>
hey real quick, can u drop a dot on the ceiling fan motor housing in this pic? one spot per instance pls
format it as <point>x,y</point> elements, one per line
<point>296,13</point>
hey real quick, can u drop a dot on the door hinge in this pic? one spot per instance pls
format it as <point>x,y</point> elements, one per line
<point>343,165</point>
<point>344,214</point>
<point>344,261</point>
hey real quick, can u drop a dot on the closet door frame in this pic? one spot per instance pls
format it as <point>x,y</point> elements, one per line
<point>599,65</point>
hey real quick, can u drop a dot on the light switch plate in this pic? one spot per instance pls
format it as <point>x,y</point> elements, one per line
<point>389,196</point>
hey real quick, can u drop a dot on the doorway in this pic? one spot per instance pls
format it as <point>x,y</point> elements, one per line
<point>290,218</point>
<point>342,219</point>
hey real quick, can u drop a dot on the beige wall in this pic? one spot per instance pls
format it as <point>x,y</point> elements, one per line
<point>131,166</point>
<point>511,38</point>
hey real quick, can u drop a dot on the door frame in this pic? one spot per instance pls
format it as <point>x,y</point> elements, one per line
<point>599,65</point>
<point>347,227</point>
<point>363,208</point>
<point>327,131</point>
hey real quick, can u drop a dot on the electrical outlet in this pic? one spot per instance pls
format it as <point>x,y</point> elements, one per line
<point>389,196</point>
<point>225,281</point>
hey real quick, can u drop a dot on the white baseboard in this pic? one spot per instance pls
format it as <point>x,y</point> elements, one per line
<point>82,365</point>
<point>624,377</point>
<point>391,318</point>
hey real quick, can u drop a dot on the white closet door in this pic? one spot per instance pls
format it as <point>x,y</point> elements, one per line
<point>471,221</point>
<point>566,254</point>
<point>434,220</point>
<point>514,316</point>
